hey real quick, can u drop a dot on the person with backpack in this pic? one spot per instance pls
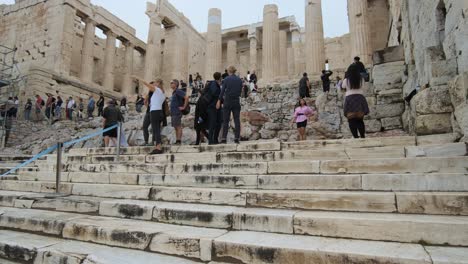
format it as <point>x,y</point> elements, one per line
<point>210,98</point>
<point>201,119</point>
<point>326,80</point>
<point>179,105</point>
<point>100,104</point>
<point>304,85</point>
<point>111,117</point>
<point>58,108</point>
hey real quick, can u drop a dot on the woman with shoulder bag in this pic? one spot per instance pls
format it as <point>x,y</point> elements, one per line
<point>355,106</point>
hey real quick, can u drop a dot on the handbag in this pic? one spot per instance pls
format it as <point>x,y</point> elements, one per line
<point>355,115</point>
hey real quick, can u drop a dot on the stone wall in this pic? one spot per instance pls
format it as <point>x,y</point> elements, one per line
<point>338,52</point>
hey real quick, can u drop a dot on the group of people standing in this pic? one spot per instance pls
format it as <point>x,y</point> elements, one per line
<point>217,101</point>
<point>355,104</point>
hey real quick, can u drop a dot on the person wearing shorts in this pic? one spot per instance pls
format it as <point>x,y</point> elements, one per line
<point>111,117</point>
<point>179,102</point>
<point>301,115</point>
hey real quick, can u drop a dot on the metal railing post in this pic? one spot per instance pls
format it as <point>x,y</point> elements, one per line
<point>59,167</point>
<point>119,137</point>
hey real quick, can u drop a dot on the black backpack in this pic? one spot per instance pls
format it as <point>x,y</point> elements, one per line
<point>42,103</point>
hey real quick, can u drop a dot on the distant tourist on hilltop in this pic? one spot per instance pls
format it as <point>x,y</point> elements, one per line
<point>304,86</point>
<point>58,108</point>
<point>301,115</point>
<point>100,104</point>
<point>326,80</point>
<point>355,106</point>
<point>27,110</point>
<point>38,108</point>
<point>91,106</point>
<point>230,99</point>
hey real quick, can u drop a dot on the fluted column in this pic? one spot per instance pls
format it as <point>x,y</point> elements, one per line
<point>127,78</point>
<point>109,61</point>
<point>270,42</point>
<point>232,53</point>
<point>315,43</point>
<point>360,30</point>
<point>153,49</point>
<point>290,55</point>
<point>213,44</point>
<point>253,49</point>
<point>296,46</point>
<point>87,55</point>
<point>283,44</point>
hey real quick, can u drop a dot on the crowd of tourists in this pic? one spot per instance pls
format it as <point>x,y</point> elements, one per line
<point>216,101</point>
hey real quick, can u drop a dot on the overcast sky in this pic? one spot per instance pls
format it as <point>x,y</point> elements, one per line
<point>235,12</point>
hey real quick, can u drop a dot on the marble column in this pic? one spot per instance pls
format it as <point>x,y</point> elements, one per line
<point>87,51</point>
<point>360,31</point>
<point>232,53</point>
<point>153,49</point>
<point>270,42</point>
<point>109,61</point>
<point>213,61</point>
<point>315,43</point>
<point>127,83</point>
<point>296,46</point>
<point>283,54</point>
<point>290,55</point>
<point>253,49</point>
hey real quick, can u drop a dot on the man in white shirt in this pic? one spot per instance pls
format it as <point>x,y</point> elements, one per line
<point>70,107</point>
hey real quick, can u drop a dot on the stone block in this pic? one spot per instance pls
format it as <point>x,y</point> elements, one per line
<point>391,123</point>
<point>299,167</point>
<point>434,230</point>
<point>198,195</point>
<point>375,152</point>
<point>390,54</point>
<point>447,255</point>
<point>415,182</point>
<point>253,247</point>
<point>437,139</point>
<point>309,182</point>
<point>142,210</point>
<point>245,157</point>
<point>458,89</point>
<point>446,150</point>
<point>386,110</point>
<point>373,125</point>
<point>112,191</point>
<point>264,220</point>
<point>323,200</point>
<point>433,124</point>
<point>260,146</point>
<point>434,100</point>
<point>450,203</point>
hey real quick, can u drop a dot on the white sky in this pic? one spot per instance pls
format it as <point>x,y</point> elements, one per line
<point>235,12</point>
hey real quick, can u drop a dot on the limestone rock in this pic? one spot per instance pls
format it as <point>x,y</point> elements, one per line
<point>433,100</point>
<point>433,124</point>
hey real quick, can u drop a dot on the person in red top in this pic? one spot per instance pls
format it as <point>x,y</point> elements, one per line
<point>38,107</point>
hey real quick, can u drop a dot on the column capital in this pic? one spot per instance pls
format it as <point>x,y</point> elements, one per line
<point>128,44</point>
<point>89,20</point>
<point>155,19</point>
<point>252,32</point>
<point>294,27</point>
<point>110,34</point>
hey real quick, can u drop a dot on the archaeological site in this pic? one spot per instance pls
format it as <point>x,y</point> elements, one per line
<point>291,184</point>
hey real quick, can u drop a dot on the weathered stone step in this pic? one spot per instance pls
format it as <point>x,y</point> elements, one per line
<point>443,203</point>
<point>252,247</point>
<point>350,143</point>
<point>192,242</point>
<point>371,182</point>
<point>31,248</point>
<point>433,230</point>
<point>445,150</point>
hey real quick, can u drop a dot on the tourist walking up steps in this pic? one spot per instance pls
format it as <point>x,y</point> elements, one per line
<point>179,102</point>
<point>156,112</point>
<point>38,108</point>
<point>91,106</point>
<point>100,104</point>
<point>301,115</point>
<point>27,110</point>
<point>355,106</point>
<point>71,105</point>
<point>147,119</point>
<point>112,116</point>
<point>58,108</point>
<point>230,98</point>
<point>326,80</point>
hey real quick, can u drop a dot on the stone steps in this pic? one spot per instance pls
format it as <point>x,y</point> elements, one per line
<point>437,203</point>
<point>37,249</point>
<point>432,230</point>
<point>365,182</point>
<point>208,244</point>
<point>354,166</point>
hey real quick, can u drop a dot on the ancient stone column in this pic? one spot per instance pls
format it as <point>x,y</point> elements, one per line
<point>153,49</point>
<point>315,43</point>
<point>109,61</point>
<point>232,53</point>
<point>290,55</point>
<point>283,54</point>
<point>360,30</point>
<point>296,46</point>
<point>213,44</point>
<point>253,49</point>
<point>87,55</point>
<point>127,83</point>
<point>270,42</point>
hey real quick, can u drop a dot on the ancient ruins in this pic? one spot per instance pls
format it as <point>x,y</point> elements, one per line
<point>398,197</point>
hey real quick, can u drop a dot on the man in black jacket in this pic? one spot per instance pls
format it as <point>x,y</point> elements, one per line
<point>100,104</point>
<point>215,119</point>
<point>230,93</point>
